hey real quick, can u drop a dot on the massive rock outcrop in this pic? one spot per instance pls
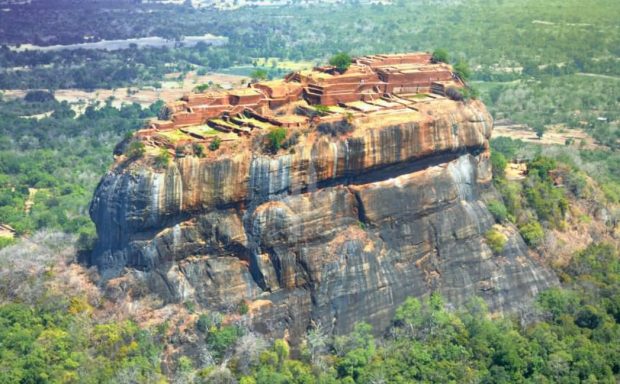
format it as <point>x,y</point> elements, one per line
<point>337,229</point>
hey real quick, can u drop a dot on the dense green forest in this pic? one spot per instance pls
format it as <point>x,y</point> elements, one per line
<point>500,39</point>
<point>53,164</point>
<point>54,329</point>
<point>570,337</point>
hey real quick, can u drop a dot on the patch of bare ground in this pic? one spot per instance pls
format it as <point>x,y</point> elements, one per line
<point>7,231</point>
<point>38,116</point>
<point>597,75</point>
<point>516,171</point>
<point>32,193</point>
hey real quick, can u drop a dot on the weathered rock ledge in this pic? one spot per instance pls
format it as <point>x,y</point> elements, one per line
<point>337,230</point>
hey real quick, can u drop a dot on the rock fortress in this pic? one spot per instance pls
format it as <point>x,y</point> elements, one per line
<point>329,197</point>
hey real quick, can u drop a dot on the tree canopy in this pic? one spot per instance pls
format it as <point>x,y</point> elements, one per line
<point>461,69</point>
<point>341,61</point>
<point>440,56</point>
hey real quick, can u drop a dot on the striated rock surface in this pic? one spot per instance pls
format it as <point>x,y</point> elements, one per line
<point>339,229</point>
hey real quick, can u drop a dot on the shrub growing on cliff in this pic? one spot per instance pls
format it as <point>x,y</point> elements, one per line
<point>576,182</point>
<point>440,56</point>
<point>243,307</point>
<point>199,149</point>
<point>221,339</point>
<point>498,164</point>
<point>203,323</point>
<point>282,350</point>
<point>498,210</point>
<point>135,150</point>
<point>541,166</point>
<point>341,61</point>
<point>162,159</point>
<point>275,138</point>
<point>495,240</point>
<point>215,144</point>
<point>532,232</point>
<point>461,69</point>
<point>208,320</point>
<point>549,201</point>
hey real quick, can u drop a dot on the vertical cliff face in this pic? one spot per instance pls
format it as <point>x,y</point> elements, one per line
<point>337,230</point>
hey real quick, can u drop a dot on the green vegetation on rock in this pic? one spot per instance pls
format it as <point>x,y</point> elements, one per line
<point>214,145</point>
<point>341,61</point>
<point>496,240</point>
<point>276,137</point>
<point>135,150</point>
<point>199,149</point>
<point>162,159</point>
<point>532,232</point>
<point>440,56</point>
<point>461,69</point>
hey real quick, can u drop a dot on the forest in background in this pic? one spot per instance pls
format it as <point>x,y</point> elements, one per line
<point>534,63</point>
<point>528,60</point>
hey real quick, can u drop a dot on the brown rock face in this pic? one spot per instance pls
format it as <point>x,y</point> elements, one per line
<point>342,229</point>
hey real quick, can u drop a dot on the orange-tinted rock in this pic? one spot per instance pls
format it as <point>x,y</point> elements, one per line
<point>341,228</point>
<point>368,78</point>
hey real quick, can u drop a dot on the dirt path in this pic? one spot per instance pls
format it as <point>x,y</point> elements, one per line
<point>38,116</point>
<point>32,193</point>
<point>599,76</point>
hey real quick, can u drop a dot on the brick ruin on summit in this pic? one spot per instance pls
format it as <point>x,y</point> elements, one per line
<point>370,84</point>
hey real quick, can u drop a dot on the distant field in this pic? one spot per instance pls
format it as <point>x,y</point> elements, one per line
<point>113,45</point>
<point>555,135</point>
<point>271,62</point>
<point>534,63</point>
<point>171,90</point>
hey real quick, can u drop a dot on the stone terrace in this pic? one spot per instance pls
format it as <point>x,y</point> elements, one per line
<point>374,84</point>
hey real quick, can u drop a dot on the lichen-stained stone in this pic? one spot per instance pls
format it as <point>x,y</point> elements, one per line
<point>342,229</point>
